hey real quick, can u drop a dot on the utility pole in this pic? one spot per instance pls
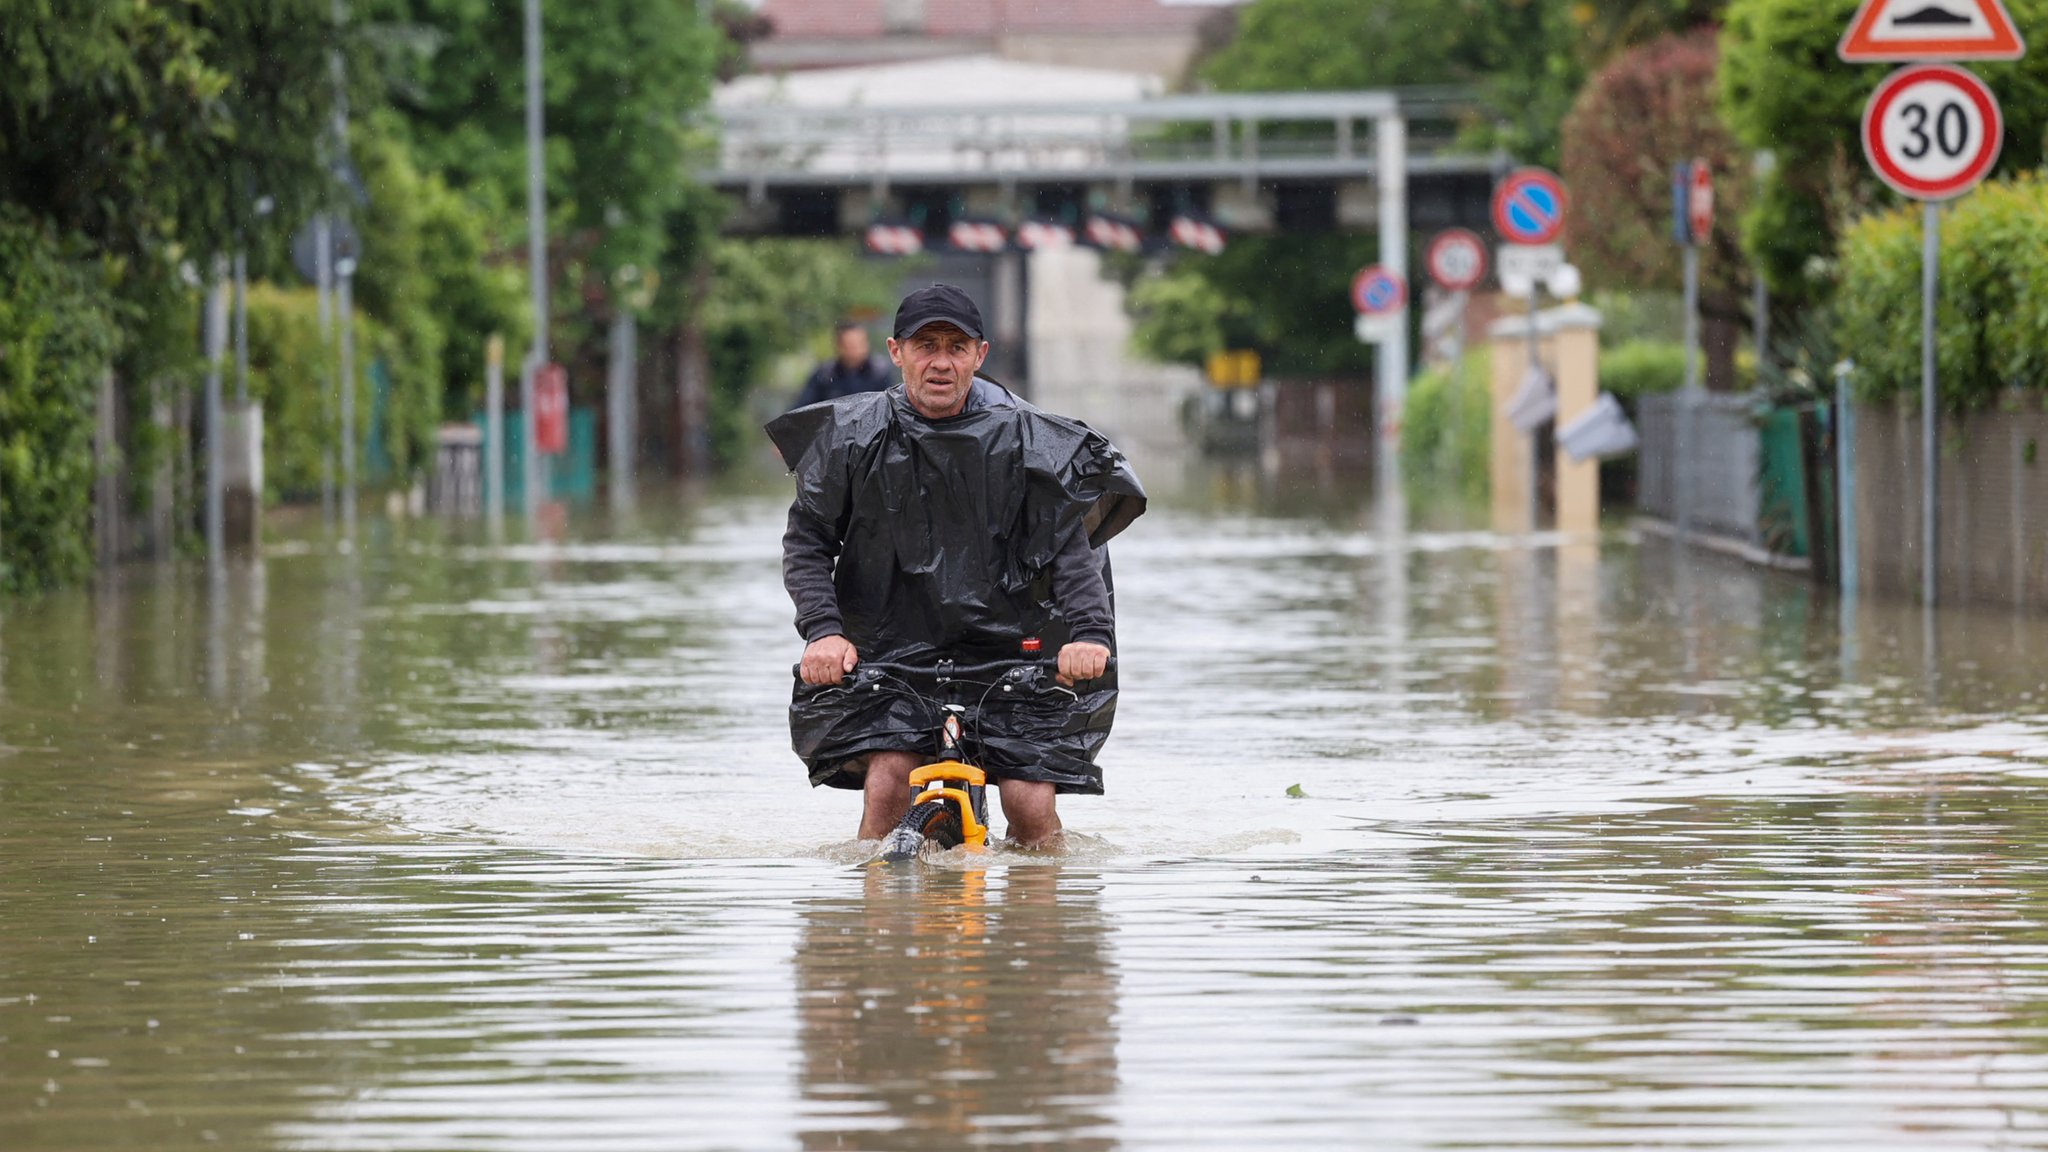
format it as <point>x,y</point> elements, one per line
<point>537,257</point>
<point>1390,135</point>
<point>216,340</point>
<point>344,267</point>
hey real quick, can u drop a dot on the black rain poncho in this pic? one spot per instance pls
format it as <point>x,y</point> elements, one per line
<point>946,532</point>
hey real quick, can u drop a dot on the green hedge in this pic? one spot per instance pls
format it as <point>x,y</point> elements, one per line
<point>1446,430</point>
<point>58,336</point>
<point>1992,314</point>
<point>1642,368</point>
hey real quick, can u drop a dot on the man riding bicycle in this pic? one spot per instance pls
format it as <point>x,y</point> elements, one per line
<point>946,519</point>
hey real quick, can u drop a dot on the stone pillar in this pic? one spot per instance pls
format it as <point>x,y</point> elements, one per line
<point>1568,344</point>
<point>242,474</point>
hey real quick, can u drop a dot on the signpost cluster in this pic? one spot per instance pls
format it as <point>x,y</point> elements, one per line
<point>1932,131</point>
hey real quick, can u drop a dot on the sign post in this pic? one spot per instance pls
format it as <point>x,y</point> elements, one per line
<point>1457,262</point>
<point>1528,212</point>
<point>1932,132</point>
<point>1692,223</point>
<point>1380,295</point>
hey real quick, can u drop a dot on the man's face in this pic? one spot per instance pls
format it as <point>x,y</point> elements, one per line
<point>938,362</point>
<point>853,346</point>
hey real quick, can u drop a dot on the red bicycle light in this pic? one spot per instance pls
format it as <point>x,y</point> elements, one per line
<point>1030,645</point>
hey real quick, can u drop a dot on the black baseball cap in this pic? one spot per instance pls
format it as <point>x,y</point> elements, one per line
<point>940,303</point>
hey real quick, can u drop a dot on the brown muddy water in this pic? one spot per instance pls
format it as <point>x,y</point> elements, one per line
<point>439,845</point>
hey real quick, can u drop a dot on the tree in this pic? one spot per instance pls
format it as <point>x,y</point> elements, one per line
<point>145,126</point>
<point>1649,108</point>
<point>1783,88</point>
<point>621,79</point>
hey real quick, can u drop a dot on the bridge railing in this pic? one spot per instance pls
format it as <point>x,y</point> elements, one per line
<point>1173,137</point>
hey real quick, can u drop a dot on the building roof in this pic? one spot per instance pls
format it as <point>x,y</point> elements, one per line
<point>943,83</point>
<point>861,19</point>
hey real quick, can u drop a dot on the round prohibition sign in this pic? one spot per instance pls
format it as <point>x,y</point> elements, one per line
<point>1529,207</point>
<point>1932,131</point>
<point>1457,260</point>
<point>1378,291</point>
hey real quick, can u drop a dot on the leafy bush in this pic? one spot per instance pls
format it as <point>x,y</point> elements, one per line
<point>1446,426</point>
<point>290,373</point>
<point>1642,367</point>
<point>1180,318</point>
<point>57,338</point>
<point>1992,314</point>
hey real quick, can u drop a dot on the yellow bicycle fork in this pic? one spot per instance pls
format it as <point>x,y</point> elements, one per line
<point>970,799</point>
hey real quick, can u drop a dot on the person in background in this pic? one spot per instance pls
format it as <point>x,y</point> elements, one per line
<point>854,369</point>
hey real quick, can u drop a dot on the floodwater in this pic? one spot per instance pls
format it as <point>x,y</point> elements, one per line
<point>442,845</point>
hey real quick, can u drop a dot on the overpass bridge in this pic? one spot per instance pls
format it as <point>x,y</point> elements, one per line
<point>1249,162</point>
<point>1385,162</point>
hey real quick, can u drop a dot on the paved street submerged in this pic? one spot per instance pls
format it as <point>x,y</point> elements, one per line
<point>439,843</point>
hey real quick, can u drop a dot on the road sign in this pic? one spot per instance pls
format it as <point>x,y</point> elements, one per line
<point>307,261</point>
<point>1932,131</point>
<point>1523,266</point>
<point>1529,206</point>
<point>1376,328</point>
<point>551,410</point>
<point>1457,260</point>
<point>1379,291</point>
<point>1699,206</point>
<point>1905,31</point>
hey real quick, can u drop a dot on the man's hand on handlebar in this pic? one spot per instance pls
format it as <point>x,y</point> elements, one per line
<point>1080,660</point>
<point>828,660</point>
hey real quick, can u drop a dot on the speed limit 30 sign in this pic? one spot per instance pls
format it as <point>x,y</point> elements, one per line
<point>1932,131</point>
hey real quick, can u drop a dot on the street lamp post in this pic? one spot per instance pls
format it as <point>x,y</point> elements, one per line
<point>537,257</point>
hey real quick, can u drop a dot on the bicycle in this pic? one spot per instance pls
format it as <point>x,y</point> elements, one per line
<point>950,807</point>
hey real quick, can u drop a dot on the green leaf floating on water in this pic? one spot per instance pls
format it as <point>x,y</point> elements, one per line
<point>1294,790</point>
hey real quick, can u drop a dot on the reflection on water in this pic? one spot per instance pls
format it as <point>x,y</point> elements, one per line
<point>942,1009</point>
<point>447,844</point>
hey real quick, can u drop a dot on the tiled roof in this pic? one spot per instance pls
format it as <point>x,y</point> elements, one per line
<point>847,19</point>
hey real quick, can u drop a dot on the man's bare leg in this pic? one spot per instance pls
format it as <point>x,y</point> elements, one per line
<point>1028,808</point>
<point>886,795</point>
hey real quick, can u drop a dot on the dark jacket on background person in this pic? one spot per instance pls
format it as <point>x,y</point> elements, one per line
<point>832,379</point>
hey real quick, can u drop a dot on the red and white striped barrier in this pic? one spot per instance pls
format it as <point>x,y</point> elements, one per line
<point>1044,236</point>
<point>1199,235</point>
<point>894,240</point>
<point>978,236</point>
<point>1114,234</point>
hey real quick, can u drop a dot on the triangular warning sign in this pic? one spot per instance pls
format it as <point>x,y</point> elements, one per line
<point>1907,30</point>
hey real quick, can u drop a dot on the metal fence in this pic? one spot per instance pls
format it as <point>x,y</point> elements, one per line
<point>1723,465</point>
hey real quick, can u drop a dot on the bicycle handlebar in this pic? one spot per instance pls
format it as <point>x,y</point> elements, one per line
<point>954,671</point>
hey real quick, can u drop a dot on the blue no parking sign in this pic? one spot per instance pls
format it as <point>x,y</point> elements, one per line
<point>1529,206</point>
<point>1378,291</point>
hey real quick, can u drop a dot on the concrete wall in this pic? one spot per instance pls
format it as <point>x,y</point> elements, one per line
<point>1081,364</point>
<point>1993,528</point>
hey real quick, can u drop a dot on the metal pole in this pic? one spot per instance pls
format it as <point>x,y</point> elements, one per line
<point>1845,492</point>
<point>345,301</point>
<point>216,347</point>
<point>1535,368</point>
<point>494,431</point>
<point>618,405</point>
<point>1930,462</point>
<point>241,328</point>
<point>536,250</point>
<point>1688,401</point>
<point>529,458</point>
<point>323,263</point>
<point>1390,134</point>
